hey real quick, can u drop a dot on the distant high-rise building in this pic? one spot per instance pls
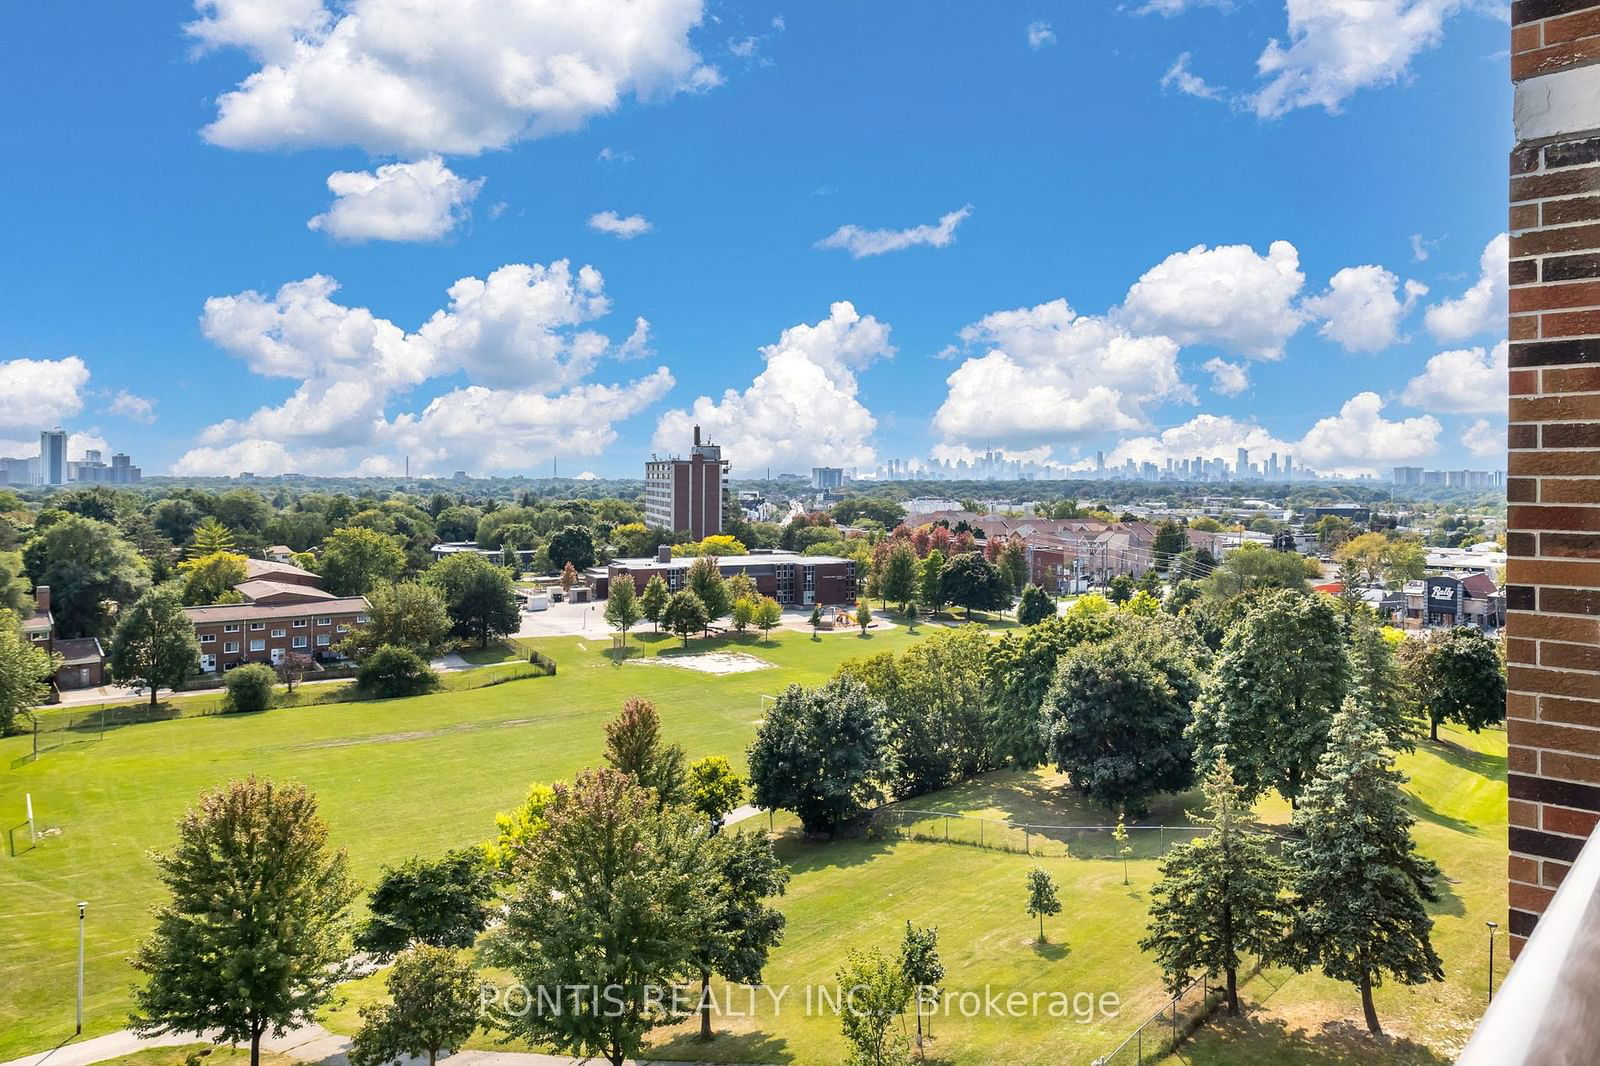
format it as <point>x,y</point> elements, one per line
<point>53,457</point>
<point>686,494</point>
<point>1407,475</point>
<point>1241,466</point>
<point>1100,462</point>
<point>827,477</point>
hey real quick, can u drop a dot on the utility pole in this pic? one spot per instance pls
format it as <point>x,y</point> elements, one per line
<point>82,906</point>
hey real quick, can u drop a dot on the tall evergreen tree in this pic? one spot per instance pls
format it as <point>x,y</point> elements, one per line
<point>1358,883</point>
<point>1376,681</point>
<point>1219,896</point>
<point>1282,675</point>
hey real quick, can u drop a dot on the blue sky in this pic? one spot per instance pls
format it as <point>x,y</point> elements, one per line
<point>1076,227</point>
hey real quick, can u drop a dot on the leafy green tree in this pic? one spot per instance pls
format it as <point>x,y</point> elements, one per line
<point>443,902</point>
<point>209,579</point>
<point>816,620</point>
<point>1172,540</point>
<point>517,829</point>
<point>623,611</point>
<point>256,853</point>
<point>1358,884</point>
<point>819,753</point>
<point>1120,589</point>
<point>24,675</point>
<point>250,688</point>
<point>921,966</point>
<point>685,615</point>
<point>742,614</point>
<point>879,993</point>
<point>391,672</point>
<point>480,597</point>
<point>404,614</point>
<point>573,545</point>
<point>1013,563</point>
<point>511,560</point>
<point>16,591</point>
<point>1457,676</point>
<point>1119,836</point>
<point>969,580</point>
<point>1218,897</point>
<point>739,929</point>
<point>1042,898</point>
<point>155,643</point>
<point>932,576</point>
<point>769,612</point>
<point>1035,605</point>
<point>715,788</point>
<point>209,536</point>
<point>1251,566</point>
<point>434,1006</point>
<point>634,747</point>
<point>653,601</point>
<point>705,581</point>
<point>354,559</point>
<point>611,867</point>
<point>1115,719</point>
<point>863,615</point>
<point>88,566</point>
<point>900,578</point>
<point>1282,676</point>
<point>1020,670</point>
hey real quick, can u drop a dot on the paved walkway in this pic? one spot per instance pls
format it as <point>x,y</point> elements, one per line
<point>310,1044</point>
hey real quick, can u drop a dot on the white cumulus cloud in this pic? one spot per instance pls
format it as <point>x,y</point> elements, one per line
<point>1482,308</point>
<point>1462,381</point>
<point>1205,436</point>
<point>1227,296</point>
<point>802,409</point>
<point>37,394</point>
<point>1361,309</point>
<point>133,407</point>
<point>622,228</point>
<point>861,242</point>
<point>1360,440</point>
<point>1181,79</point>
<point>1227,379</point>
<point>1040,35</point>
<point>412,77</point>
<point>1485,439</point>
<point>421,201</point>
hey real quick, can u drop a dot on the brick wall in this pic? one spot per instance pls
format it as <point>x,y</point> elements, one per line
<point>1553,485</point>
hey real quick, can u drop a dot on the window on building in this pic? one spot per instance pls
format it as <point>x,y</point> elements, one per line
<point>324,621</point>
<point>258,645</point>
<point>341,628</point>
<point>361,619</point>
<point>323,639</point>
<point>279,634</point>
<point>230,647</point>
<point>231,627</point>
<point>208,638</point>
<point>299,642</point>
<point>256,627</point>
<point>300,623</point>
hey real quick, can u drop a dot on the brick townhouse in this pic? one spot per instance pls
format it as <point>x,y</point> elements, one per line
<point>284,613</point>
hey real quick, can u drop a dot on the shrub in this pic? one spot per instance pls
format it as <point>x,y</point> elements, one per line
<point>393,671</point>
<point>250,688</point>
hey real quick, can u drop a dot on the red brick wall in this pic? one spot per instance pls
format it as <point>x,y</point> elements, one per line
<point>1553,485</point>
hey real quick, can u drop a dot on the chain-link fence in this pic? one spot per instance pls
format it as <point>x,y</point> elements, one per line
<point>1060,841</point>
<point>1164,1030</point>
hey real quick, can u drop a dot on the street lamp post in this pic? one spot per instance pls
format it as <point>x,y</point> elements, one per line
<point>1492,927</point>
<point>82,906</point>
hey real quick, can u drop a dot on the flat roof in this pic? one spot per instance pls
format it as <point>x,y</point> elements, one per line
<point>261,612</point>
<point>766,559</point>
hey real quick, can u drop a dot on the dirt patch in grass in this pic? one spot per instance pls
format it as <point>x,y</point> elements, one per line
<point>708,662</point>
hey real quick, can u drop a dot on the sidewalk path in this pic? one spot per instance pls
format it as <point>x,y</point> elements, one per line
<point>310,1044</point>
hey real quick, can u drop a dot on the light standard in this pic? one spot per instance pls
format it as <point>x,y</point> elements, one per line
<point>1492,927</point>
<point>82,906</point>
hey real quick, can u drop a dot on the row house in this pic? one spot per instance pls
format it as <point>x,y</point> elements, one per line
<point>81,661</point>
<point>283,612</point>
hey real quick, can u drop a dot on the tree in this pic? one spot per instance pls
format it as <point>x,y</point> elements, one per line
<point>209,578</point>
<point>1020,670</point>
<point>611,868</point>
<point>1457,676</point>
<point>705,581</point>
<point>634,747</point>
<point>816,620</point>
<point>208,537</point>
<point>921,966</point>
<point>715,788</point>
<point>1217,897</point>
<point>569,578</point>
<point>1013,564</point>
<point>250,688</point>
<point>434,1005</point>
<point>685,615</point>
<point>1376,680</point>
<point>24,675</point>
<point>899,580</point>
<point>1251,566</point>
<point>391,672</point>
<point>653,601</point>
<point>1035,605</point>
<point>258,854</point>
<point>742,614</point>
<point>863,615</point>
<point>1119,835</point>
<point>444,903</point>
<point>292,669</point>
<point>819,753</point>
<point>480,597</point>
<point>738,928</point>
<point>1120,589</point>
<point>354,559</point>
<point>769,612</point>
<point>1172,539</point>
<point>405,614</point>
<point>878,993</point>
<point>622,607</point>
<point>1358,884</point>
<point>517,829</point>
<point>1042,899</point>
<point>1115,719</point>
<point>1282,675</point>
<point>969,580</point>
<point>510,559</point>
<point>155,644</point>
<point>574,547</point>
<point>932,576</point>
<point>89,568</point>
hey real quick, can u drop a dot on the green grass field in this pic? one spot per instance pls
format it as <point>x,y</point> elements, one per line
<point>415,776</point>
